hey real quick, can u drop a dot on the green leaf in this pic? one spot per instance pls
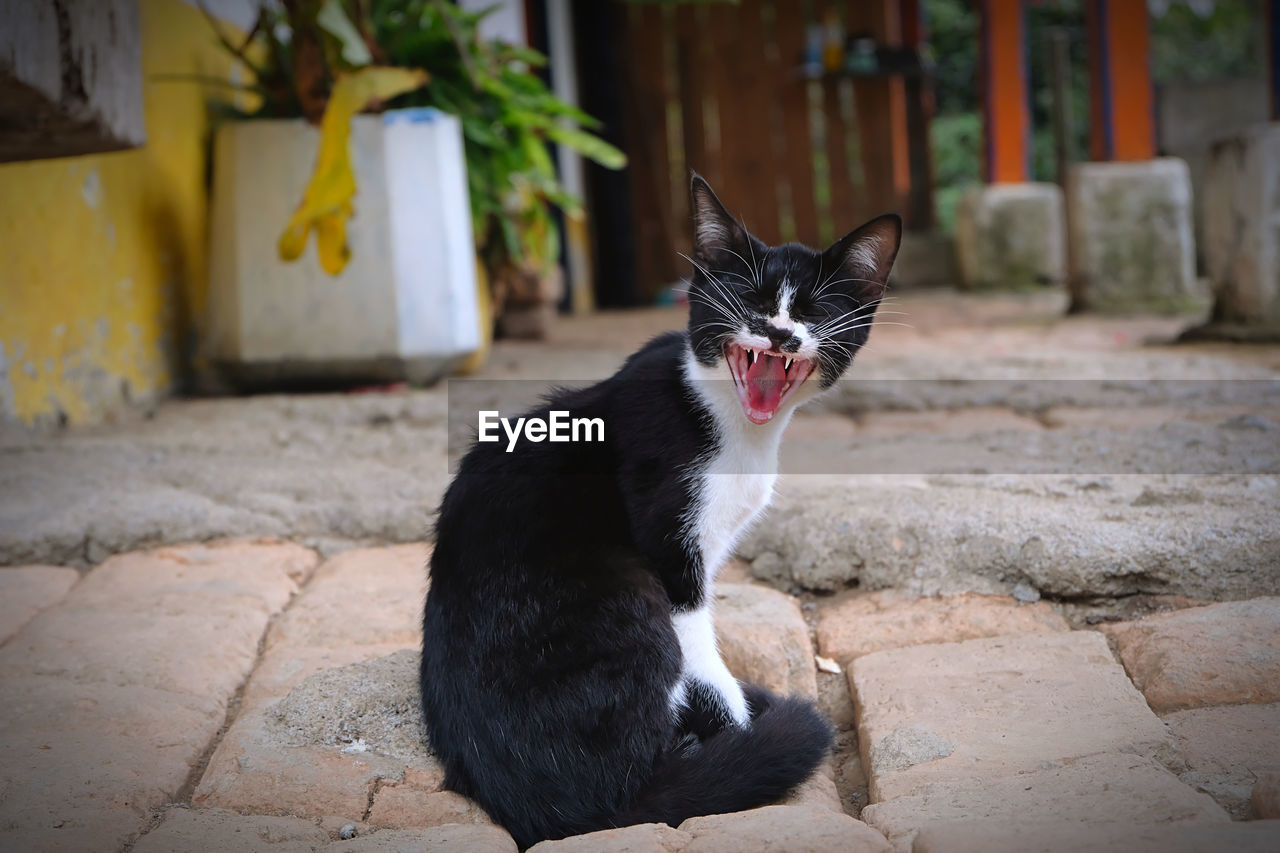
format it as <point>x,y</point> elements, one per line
<point>591,147</point>
<point>333,20</point>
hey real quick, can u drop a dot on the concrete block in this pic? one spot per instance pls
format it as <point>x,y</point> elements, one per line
<point>1132,242</point>
<point>70,78</point>
<point>405,305</point>
<point>1242,225</point>
<point>1011,235</point>
<point>925,259</point>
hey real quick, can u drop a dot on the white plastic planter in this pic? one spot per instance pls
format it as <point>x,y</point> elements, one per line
<point>405,305</point>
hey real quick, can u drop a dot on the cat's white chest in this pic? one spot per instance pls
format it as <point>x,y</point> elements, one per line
<point>734,491</point>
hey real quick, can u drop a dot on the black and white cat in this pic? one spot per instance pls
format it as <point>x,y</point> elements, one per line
<point>570,676</point>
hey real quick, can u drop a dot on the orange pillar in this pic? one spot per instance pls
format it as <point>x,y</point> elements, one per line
<point>1122,108</point>
<point>1005,111</point>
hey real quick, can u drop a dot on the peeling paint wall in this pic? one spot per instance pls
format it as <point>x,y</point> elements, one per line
<point>103,257</point>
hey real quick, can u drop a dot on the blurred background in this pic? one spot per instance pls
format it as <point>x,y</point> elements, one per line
<point>173,220</point>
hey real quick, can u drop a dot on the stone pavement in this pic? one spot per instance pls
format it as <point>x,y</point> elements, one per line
<point>251,696</point>
<point>209,616</point>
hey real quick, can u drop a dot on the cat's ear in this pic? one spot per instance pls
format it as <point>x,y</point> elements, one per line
<point>713,227</point>
<point>866,254</point>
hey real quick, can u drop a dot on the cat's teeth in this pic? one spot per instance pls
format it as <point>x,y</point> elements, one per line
<point>751,357</point>
<point>787,366</point>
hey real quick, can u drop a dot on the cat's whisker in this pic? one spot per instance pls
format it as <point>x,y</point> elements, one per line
<point>719,285</point>
<point>755,274</point>
<point>823,328</point>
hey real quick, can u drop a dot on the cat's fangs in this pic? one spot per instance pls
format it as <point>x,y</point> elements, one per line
<point>762,389</point>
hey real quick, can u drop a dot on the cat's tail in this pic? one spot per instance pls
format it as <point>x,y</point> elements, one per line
<point>737,768</point>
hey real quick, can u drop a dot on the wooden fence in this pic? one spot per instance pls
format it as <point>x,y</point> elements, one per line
<point>719,89</point>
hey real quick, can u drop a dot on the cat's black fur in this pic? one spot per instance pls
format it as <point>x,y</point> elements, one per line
<point>549,652</point>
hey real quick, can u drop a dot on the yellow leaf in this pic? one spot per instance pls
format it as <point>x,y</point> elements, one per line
<point>326,204</point>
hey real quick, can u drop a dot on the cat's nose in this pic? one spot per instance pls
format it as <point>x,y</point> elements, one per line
<point>782,339</point>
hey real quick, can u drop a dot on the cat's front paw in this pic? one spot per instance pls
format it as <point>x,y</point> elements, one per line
<point>707,710</point>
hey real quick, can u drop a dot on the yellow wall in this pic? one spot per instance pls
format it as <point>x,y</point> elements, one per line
<point>102,257</point>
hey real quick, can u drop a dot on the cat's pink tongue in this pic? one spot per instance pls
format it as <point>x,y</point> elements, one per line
<point>764,381</point>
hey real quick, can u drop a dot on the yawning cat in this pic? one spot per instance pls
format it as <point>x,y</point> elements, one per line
<point>570,677</point>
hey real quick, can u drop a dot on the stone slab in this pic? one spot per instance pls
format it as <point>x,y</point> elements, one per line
<point>1011,235</point>
<point>945,534</point>
<point>203,830</point>
<point>1222,654</point>
<point>113,695</point>
<point>782,829</point>
<point>26,590</point>
<point>1240,205</point>
<point>327,746</point>
<point>185,619</point>
<point>1227,749</point>
<point>438,839</point>
<point>332,710</point>
<point>1096,789</point>
<point>764,639</point>
<point>996,706</point>
<point>641,838</point>
<point>892,619</point>
<point>1266,795</point>
<point>404,807</point>
<point>366,596</point>
<point>1054,837</point>
<point>1133,241</point>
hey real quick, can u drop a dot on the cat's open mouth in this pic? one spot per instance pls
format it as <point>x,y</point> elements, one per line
<point>764,379</point>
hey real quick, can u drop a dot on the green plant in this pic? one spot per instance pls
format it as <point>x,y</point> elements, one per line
<point>508,115</point>
<point>300,52</point>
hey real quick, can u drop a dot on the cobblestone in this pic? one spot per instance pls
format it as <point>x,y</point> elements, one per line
<point>112,697</point>
<point>26,590</point>
<point>1222,654</point>
<point>892,619</point>
<point>999,706</point>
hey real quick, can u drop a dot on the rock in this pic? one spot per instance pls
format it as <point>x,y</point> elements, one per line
<point>1022,836</point>
<point>642,838</point>
<point>324,747</point>
<point>365,468</point>
<point>254,771</point>
<point>1095,790</point>
<point>1239,216</point>
<point>763,639</point>
<point>908,746</point>
<point>122,623</point>
<point>1227,749</point>
<point>132,746</point>
<point>26,590</point>
<point>998,706</point>
<point>202,830</point>
<point>818,791</point>
<point>891,619</point>
<point>436,839</point>
<point>1266,795</point>
<point>120,688</point>
<point>1011,236</point>
<point>402,807</point>
<point>782,829</point>
<point>328,627</point>
<point>1132,243</point>
<point>373,706</point>
<point>1222,654</point>
<point>956,534</point>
